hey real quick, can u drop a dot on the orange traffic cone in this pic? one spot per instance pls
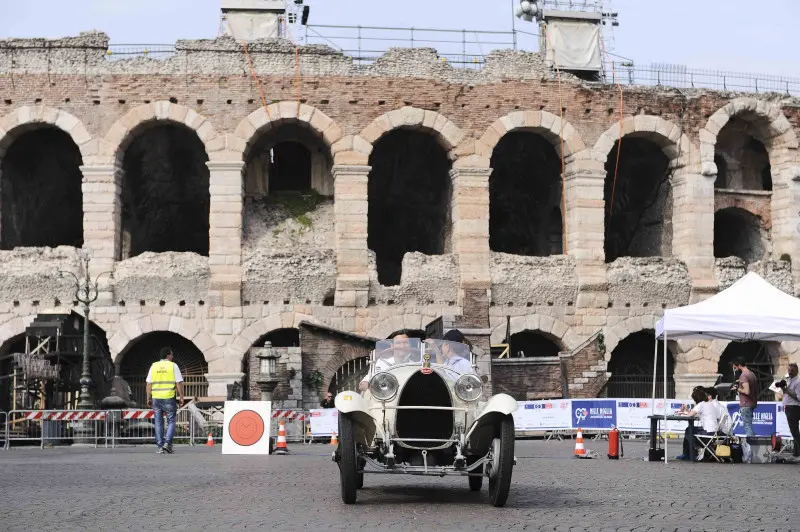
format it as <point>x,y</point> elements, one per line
<point>334,440</point>
<point>580,452</point>
<point>210,441</point>
<point>280,445</point>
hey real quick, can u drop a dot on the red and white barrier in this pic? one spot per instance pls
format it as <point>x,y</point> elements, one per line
<point>137,414</point>
<point>294,415</point>
<point>76,415</point>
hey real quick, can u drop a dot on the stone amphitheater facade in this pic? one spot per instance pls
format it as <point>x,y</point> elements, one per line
<point>227,300</point>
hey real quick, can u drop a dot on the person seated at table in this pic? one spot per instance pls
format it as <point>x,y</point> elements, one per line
<point>719,409</point>
<point>707,415</point>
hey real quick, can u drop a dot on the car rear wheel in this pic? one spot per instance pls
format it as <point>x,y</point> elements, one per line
<point>348,477</point>
<point>502,463</point>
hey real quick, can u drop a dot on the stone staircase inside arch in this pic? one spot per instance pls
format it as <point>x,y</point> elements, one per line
<point>583,369</point>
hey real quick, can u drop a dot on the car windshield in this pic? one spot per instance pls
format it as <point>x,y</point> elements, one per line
<point>453,355</point>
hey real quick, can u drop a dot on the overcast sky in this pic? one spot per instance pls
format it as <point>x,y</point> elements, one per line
<point>739,35</point>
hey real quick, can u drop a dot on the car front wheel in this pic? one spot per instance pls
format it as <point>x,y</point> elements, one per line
<point>348,475</point>
<point>502,463</point>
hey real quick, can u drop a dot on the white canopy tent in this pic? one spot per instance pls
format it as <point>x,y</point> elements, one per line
<point>750,309</point>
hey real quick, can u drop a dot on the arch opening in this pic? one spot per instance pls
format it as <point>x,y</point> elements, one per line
<point>165,192</point>
<point>631,367</point>
<point>639,221</point>
<point>136,362</point>
<point>761,358</point>
<point>745,160</point>
<point>409,200</point>
<point>739,233</point>
<point>533,344</point>
<point>349,375</point>
<point>288,337</point>
<point>41,201</point>
<point>289,158</point>
<point>525,196</point>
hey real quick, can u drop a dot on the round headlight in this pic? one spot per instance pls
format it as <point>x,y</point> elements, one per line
<point>469,387</point>
<point>383,386</point>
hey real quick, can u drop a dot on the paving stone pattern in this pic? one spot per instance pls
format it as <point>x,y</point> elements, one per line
<point>200,489</point>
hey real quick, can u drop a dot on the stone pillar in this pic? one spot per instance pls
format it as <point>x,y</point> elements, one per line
<point>693,229</point>
<point>352,259</point>
<point>470,237</point>
<point>585,231</point>
<point>102,222</point>
<point>218,383</point>
<point>225,232</point>
<point>684,384</point>
<point>786,219</point>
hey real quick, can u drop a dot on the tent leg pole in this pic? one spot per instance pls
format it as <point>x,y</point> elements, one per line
<point>666,440</point>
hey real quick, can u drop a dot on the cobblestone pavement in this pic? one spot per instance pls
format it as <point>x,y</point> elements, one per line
<point>200,489</point>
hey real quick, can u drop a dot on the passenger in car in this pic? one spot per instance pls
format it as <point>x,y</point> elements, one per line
<point>453,358</point>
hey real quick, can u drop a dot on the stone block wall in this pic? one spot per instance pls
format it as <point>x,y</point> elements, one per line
<point>257,281</point>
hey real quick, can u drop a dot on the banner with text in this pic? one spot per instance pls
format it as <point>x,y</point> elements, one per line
<point>632,415</point>
<point>324,421</point>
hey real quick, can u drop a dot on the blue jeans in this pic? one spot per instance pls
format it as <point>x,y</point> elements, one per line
<point>170,408</point>
<point>746,412</point>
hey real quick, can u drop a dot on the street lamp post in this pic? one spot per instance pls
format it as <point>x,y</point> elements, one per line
<point>267,379</point>
<point>85,292</point>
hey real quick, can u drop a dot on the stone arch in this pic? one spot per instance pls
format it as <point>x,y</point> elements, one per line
<point>15,327</point>
<point>537,323</point>
<point>550,126</point>
<point>266,118</point>
<point>774,129</point>
<point>123,130</point>
<point>614,335</point>
<point>26,117</point>
<point>125,337</point>
<point>238,347</point>
<point>447,133</point>
<point>668,136</point>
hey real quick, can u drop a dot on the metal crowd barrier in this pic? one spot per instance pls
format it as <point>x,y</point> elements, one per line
<point>114,428</point>
<point>3,424</point>
<point>56,427</point>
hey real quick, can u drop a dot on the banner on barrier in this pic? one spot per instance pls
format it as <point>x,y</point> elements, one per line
<point>542,415</point>
<point>598,414</point>
<point>324,421</point>
<point>782,424</point>
<point>763,419</point>
<point>632,415</point>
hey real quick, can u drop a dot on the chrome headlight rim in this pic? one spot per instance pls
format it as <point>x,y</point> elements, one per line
<point>476,385</point>
<point>376,379</point>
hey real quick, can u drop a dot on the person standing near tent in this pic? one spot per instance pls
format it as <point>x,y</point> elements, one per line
<point>791,404</point>
<point>747,387</point>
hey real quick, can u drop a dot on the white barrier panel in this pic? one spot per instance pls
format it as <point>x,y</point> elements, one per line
<point>324,421</point>
<point>246,427</point>
<point>631,415</point>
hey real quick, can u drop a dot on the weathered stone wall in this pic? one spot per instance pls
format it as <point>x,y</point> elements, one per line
<point>267,270</point>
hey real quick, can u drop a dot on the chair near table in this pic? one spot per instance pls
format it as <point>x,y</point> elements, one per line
<point>718,445</point>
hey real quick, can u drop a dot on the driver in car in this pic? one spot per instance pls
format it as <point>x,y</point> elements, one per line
<point>399,353</point>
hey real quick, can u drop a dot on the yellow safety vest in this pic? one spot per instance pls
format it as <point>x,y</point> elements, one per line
<point>163,375</point>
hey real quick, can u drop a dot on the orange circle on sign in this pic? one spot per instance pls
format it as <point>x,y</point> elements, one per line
<point>246,428</point>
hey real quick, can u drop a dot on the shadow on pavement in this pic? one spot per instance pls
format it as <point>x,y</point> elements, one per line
<point>521,496</point>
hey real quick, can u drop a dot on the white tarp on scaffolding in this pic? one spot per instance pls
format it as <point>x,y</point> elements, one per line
<point>573,45</point>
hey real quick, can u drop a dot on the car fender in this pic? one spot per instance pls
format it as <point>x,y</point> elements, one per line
<point>485,426</point>
<point>352,404</point>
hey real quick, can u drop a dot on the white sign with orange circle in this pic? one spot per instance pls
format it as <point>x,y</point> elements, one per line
<point>246,426</point>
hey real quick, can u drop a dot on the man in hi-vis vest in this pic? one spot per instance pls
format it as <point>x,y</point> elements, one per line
<point>163,379</point>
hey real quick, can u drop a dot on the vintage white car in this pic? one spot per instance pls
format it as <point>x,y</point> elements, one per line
<point>425,413</point>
